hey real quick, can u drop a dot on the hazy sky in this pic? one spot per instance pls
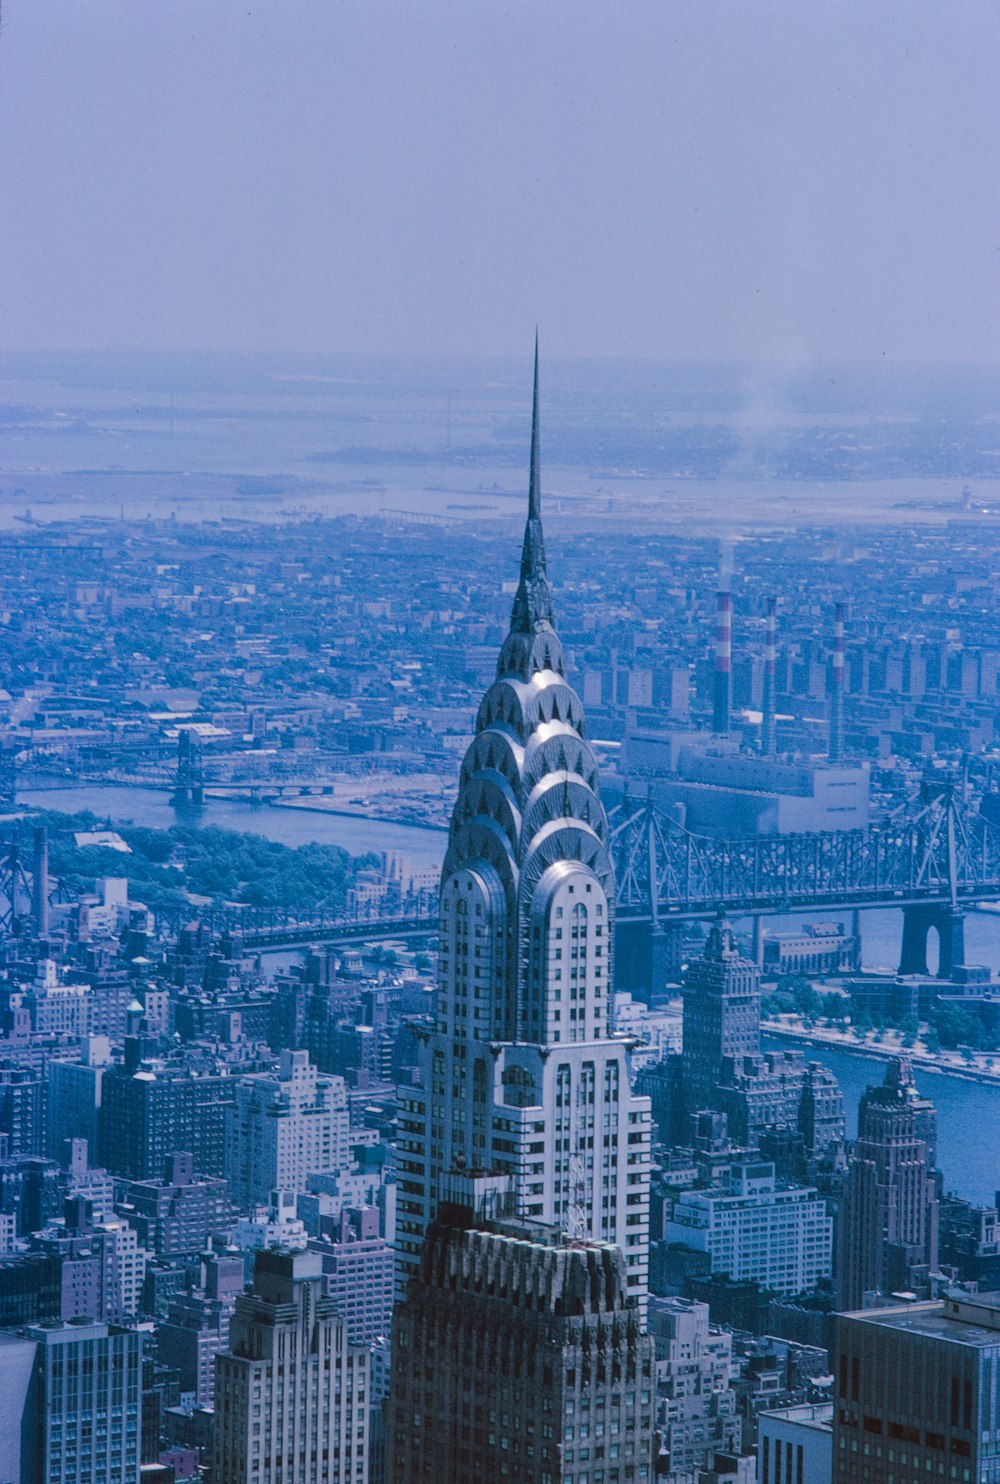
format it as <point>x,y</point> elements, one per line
<point>670,178</point>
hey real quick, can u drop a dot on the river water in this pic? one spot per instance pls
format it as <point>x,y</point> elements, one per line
<point>968,1116</point>
<point>423,848</point>
<point>968,1112</point>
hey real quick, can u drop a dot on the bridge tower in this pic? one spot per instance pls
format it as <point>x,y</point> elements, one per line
<point>649,951</point>
<point>15,888</point>
<point>941,852</point>
<point>189,779</point>
<point>949,924</point>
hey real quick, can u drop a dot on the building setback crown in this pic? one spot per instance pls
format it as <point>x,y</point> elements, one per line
<point>720,944</point>
<point>518,1268</point>
<point>528,800</point>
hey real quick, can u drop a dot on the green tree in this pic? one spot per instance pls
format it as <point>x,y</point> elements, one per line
<point>957,1026</point>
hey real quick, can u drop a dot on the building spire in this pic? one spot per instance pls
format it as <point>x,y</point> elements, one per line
<point>535,484</point>
<point>533,602</point>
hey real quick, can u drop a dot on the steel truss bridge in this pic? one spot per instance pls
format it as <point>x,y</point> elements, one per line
<point>933,857</point>
<point>935,849</point>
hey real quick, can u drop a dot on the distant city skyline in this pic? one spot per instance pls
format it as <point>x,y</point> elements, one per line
<point>769,183</point>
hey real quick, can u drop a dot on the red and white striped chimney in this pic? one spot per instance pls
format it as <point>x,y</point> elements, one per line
<point>723,665</point>
<point>837,694</point>
<point>768,727</point>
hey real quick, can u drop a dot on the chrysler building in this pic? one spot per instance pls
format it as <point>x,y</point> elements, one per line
<point>525,1096</point>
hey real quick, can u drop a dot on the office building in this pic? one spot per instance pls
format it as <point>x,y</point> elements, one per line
<point>151,1108</point>
<point>520,1075</point>
<point>887,1230</point>
<point>758,1229</point>
<point>795,1444</point>
<point>194,1332</point>
<point>721,1015</point>
<point>358,1264</point>
<point>518,1354</point>
<point>291,1392</point>
<point>723,1069</point>
<point>69,1405</point>
<point>87,1183</point>
<point>22,1111</point>
<point>124,1269</point>
<point>917,1395</point>
<point>284,1128</point>
<point>74,1098</point>
<point>31,1288</point>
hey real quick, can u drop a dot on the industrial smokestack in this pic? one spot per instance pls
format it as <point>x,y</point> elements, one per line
<point>837,694</point>
<point>40,882</point>
<point>768,726</point>
<point>723,665</point>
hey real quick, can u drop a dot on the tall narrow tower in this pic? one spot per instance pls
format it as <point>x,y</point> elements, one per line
<point>523,1088</point>
<point>837,688</point>
<point>722,698</point>
<point>40,881</point>
<point>768,729</point>
<point>721,1015</point>
<point>888,1224</point>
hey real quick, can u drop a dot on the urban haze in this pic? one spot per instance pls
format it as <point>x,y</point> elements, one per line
<point>499,743</point>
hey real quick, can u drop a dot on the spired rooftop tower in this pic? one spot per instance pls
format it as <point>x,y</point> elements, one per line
<point>524,1091</point>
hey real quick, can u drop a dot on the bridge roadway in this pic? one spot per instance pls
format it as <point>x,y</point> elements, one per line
<point>369,929</point>
<point>933,858</point>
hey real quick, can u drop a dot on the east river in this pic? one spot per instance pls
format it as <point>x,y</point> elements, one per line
<point>968,1112</point>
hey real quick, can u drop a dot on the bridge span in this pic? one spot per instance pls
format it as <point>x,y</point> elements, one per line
<point>934,858</point>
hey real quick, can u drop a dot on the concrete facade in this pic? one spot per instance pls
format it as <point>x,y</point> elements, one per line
<point>521,1077</point>
<point>517,1355</point>
<point>917,1393</point>
<point>778,1235</point>
<point>291,1392</point>
<point>284,1128</point>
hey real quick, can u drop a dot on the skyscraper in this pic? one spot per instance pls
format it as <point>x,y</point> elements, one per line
<point>722,1068</point>
<point>887,1229</point>
<point>721,1015</point>
<point>291,1392</point>
<point>70,1411</point>
<point>522,1080</point>
<point>284,1128</point>
<point>917,1395</point>
<point>517,1355</point>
